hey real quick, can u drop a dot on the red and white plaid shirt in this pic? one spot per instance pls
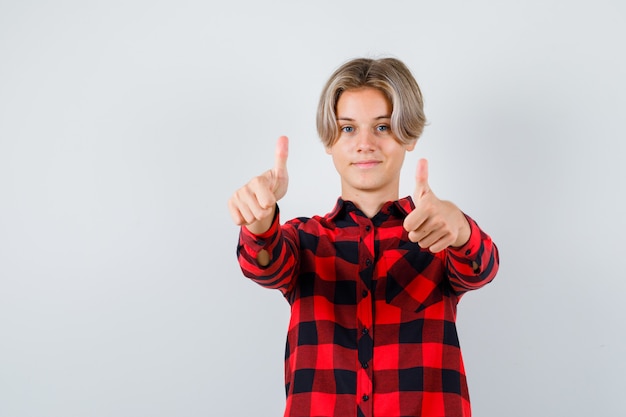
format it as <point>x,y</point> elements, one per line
<point>372,329</point>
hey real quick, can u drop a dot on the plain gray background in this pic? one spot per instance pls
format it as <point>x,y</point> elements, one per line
<point>126,125</point>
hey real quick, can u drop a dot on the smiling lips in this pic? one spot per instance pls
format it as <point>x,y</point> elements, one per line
<point>366,164</point>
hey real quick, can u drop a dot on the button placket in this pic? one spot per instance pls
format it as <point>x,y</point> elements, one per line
<point>365,311</point>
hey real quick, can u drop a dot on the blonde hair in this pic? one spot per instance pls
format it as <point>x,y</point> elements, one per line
<point>389,75</point>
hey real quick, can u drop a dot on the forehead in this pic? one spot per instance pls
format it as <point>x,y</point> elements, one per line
<point>362,103</point>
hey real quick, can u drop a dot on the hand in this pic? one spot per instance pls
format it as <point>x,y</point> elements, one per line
<point>434,224</point>
<point>254,204</point>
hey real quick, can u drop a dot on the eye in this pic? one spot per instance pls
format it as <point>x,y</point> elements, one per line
<point>347,129</point>
<point>382,128</point>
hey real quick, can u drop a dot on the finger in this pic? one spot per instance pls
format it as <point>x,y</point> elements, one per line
<point>422,233</point>
<point>235,213</point>
<point>262,195</point>
<point>421,227</point>
<point>440,245</point>
<point>421,214</point>
<point>421,179</point>
<point>241,212</point>
<point>252,203</point>
<point>282,151</point>
<point>414,221</point>
<point>440,242</point>
<point>435,241</point>
<point>259,200</point>
<point>252,214</point>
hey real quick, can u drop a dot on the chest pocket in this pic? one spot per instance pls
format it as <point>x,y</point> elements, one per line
<point>411,279</point>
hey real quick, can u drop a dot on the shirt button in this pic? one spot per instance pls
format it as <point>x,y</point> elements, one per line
<point>368,262</point>
<point>367,228</point>
<point>365,331</point>
<point>467,252</point>
<point>364,365</point>
<point>366,397</point>
<point>364,293</point>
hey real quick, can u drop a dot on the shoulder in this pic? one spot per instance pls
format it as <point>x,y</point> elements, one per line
<point>327,221</point>
<point>307,223</point>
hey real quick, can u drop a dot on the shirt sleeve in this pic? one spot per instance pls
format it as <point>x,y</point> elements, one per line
<point>474,264</point>
<point>280,272</point>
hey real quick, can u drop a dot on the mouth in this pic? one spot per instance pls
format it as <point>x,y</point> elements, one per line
<point>366,164</point>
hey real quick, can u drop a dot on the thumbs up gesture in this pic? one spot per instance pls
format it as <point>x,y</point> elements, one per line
<point>254,204</point>
<point>434,224</point>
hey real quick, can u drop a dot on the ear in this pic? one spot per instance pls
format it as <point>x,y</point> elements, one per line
<point>411,145</point>
<point>328,149</point>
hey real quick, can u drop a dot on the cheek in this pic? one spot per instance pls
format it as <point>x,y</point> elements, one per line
<point>339,165</point>
<point>337,159</point>
<point>397,157</point>
<point>341,160</point>
<point>339,150</point>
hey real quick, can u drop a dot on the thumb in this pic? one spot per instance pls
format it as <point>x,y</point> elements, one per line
<point>421,179</point>
<point>282,151</point>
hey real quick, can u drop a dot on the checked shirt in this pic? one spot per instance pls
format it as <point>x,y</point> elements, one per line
<point>372,329</point>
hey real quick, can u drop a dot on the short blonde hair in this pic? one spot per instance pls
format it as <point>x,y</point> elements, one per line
<point>389,75</point>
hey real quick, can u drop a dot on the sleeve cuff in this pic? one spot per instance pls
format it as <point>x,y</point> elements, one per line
<point>256,243</point>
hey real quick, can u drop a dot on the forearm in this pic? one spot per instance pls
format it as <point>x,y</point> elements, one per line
<point>474,264</point>
<point>259,228</point>
<point>268,258</point>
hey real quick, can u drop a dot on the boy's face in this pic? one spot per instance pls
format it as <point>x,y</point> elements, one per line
<point>367,155</point>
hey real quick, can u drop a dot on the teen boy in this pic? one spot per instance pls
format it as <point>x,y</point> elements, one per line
<point>374,284</point>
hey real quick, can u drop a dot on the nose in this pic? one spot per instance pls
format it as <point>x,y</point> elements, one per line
<point>365,141</point>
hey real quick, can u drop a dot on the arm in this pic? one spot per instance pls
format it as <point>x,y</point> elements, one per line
<point>253,206</point>
<point>474,264</point>
<point>470,255</point>
<point>264,254</point>
<point>270,258</point>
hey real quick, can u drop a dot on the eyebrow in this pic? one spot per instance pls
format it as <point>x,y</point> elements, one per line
<point>349,119</point>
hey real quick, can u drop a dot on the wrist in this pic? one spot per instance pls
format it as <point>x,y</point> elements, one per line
<point>465,232</point>
<point>263,225</point>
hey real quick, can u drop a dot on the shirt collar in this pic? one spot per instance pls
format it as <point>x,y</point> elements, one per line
<point>404,206</point>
